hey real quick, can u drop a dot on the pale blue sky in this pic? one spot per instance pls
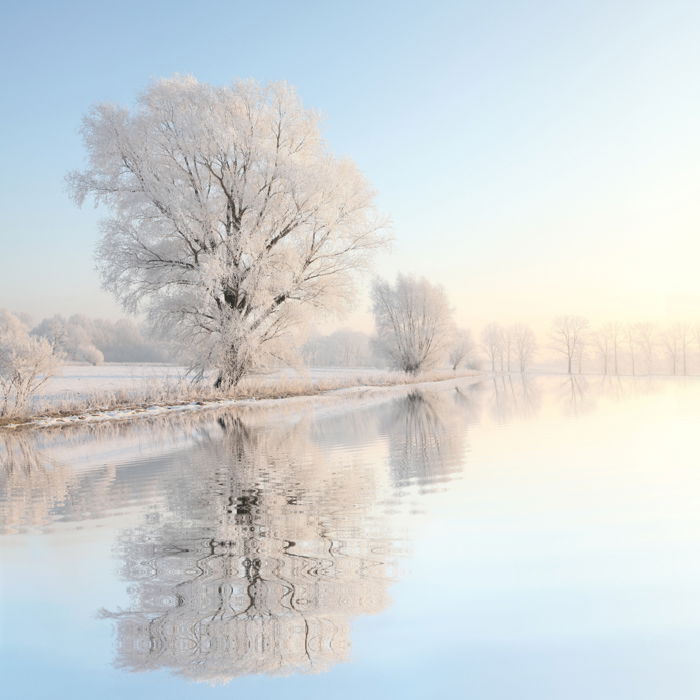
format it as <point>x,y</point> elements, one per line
<point>535,157</point>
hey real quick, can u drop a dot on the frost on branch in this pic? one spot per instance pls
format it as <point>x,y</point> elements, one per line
<point>230,221</point>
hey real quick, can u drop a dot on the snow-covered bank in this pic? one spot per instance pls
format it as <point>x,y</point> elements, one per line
<point>83,381</point>
<point>152,390</point>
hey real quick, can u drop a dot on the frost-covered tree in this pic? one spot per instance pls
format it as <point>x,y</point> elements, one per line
<point>69,338</point>
<point>95,340</point>
<point>26,363</point>
<point>676,341</point>
<point>414,323</point>
<point>569,339</point>
<point>608,340</point>
<point>524,344</point>
<point>601,341</point>
<point>492,339</point>
<point>230,218</point>
<point>630,337</point>
<point>462,350</point>
<point>645,335</point>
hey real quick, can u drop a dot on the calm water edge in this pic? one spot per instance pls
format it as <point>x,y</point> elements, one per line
<point>484,539</point>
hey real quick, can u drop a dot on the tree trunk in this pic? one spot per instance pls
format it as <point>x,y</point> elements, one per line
<point>235,366</point>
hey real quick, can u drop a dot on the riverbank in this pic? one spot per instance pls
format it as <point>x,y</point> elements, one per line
<point>158,397</point>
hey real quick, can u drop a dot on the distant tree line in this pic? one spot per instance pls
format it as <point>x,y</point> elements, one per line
<point>616,347</point>
<point>82,339</point>
<point>342,348</point>
<point>509,349</point>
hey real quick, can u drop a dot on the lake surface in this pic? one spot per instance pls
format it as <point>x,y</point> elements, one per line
<point>472,539</point>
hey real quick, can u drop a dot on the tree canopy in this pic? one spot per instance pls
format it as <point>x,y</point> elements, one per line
<point>230,217</point>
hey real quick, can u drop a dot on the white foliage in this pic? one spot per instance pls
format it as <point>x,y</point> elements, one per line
<point>414,322</point>
<point>69,338</point>
<point>26,363</point>
<point>230,218</point>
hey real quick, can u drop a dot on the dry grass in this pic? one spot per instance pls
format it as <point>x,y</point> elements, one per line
<point>161,393</point>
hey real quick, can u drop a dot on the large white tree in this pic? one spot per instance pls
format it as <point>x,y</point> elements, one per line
<point>230,218</point>
<point>414,322</point>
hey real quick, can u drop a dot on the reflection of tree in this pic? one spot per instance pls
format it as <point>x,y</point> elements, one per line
<point>265,552</point>
<point>31,485</point>
<point>511,398</point>
<point>38,488</point>
<point>427,433</point>
<point>573,394</point>
<point>262,536</point>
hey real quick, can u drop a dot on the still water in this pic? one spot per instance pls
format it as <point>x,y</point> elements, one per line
<point>479,539</point>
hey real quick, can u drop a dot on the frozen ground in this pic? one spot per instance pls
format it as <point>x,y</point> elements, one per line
<point>79,381</point>
<point>82,381</point>
<point>85,393</point>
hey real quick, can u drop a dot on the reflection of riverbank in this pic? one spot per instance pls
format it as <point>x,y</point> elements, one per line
<point>89,470</point>
<point>261,533</point>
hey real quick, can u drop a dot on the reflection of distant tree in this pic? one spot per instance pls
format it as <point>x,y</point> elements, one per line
<point>427,434</point>
<point>265,552</point>
<point>514,397</point>
<point>31,484</point>
<point>573,392</point>
<point>469,401</point>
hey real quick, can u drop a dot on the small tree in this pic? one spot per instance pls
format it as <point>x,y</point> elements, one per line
<point>413,321</point>
<point>462,349</point>
<point>569,338</point>
<point>631,340</point>
<point>601,340</point>
<point>645,335</point>
<point>492,339</point>
<point>25,364</point>
<point>524,343</point>
<point>677,341</point>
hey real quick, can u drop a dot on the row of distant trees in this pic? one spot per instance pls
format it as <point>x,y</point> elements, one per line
<point>509,349</point>
<point>627,348</point>
<point>415,331</point>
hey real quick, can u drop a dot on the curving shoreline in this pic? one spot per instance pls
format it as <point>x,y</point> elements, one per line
<point>263,396</point>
